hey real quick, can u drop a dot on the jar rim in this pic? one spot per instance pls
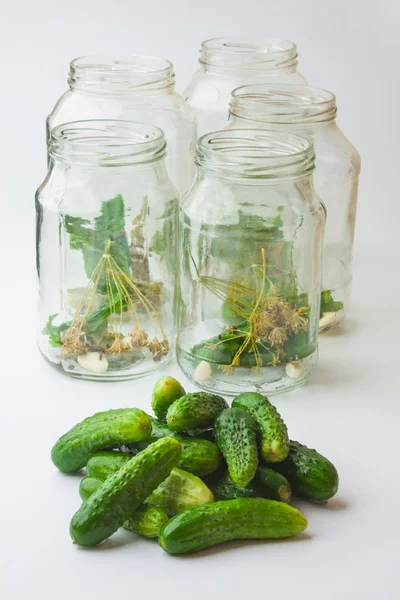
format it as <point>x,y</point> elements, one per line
<point>283,103</point>
<point>249,53</point>
<point>136,73</point>
<point>255,154</point>
<point>106,143</point>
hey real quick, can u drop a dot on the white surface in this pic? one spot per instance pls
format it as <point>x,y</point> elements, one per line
<point>350,412</point>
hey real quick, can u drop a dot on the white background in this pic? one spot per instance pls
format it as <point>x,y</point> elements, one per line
<point>351,410</point>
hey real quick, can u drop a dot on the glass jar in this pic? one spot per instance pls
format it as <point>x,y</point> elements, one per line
<point>135,88</point>
<point>229,62</point>
<point>106,239</point>
<point>251,248</point>
<point>311,112</point>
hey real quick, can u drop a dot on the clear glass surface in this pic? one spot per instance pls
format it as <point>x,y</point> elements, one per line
<point>136,88</point>
<point>250,247</point>
<point>311,112</point>
<point>106,241</point>
<point>225,64</point>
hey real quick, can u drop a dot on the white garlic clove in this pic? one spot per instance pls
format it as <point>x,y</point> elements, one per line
<point>329,320</point>
<point>294,369</point>
<point>202,371</point>
<point>94,362</point>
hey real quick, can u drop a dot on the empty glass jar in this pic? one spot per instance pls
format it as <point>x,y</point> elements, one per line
<point>106,231</point>
<point>311,112</point>
<point>135,88</point>
<point>250,275</point>
<point>229,62</point>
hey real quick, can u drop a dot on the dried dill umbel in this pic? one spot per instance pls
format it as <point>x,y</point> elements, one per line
<point>267,321</point>
<point>125,298</point>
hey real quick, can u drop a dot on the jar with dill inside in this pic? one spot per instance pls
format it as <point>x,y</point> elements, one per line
<point>250,268</point>
<point>106,240</point>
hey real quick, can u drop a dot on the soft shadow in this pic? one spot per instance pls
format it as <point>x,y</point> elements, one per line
<point>239,544</point>
<point>345,328</point>
<point>125,538</point>
<point>333,504</point>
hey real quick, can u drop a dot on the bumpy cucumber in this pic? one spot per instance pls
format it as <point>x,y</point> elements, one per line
<point>276,485</point>
<point>166,391</point>
<point>103,464</point>
<point>199,456</point>
<point>309,473</point>
<point>89,485</point>
<point>236,436</point>
<point>274,435</point>
<point>195,411</point>
<point>102,430</point>
<point>123,492</point>
<point>180,491</point>
<point>266,484</point>
<point>146,520</point>
<point>247,518</point>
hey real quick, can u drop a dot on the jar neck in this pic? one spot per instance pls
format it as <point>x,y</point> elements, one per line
<point>281,104</point>
<point>131,76</point>
<point>106,143</point>
<point>255,156</point>
<point>257,57</point>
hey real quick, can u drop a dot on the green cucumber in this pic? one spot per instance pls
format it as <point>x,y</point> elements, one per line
<point>123,492</point>
<point>180,491</point>
<point>309,473</point>
<point>246,518</point>
<point>236,436</point>
<point>89,485</point>
<point>275,484</point>
<point>102,430</point>
<point>195,411</point>
<point>266,484</point>
<point>274,435</point>
<point>102,464</point>
<point>146,520</point>
<point>199,456</point>
<point>166,391</point>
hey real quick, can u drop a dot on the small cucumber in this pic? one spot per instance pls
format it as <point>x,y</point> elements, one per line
<point>89,485</point>
<point>181,490</point>
<point>166,391</point>
<point>146,520</point>
<point>102,464</point>
<point>199,456</point>
<point>275,484</point>
<point>274,435</point>
<point>236,436</point>
<point>195,411</point>
<point>265,484</point>
<point>123,492</point>
<point>309,473</point>
<point>247,518</point>
<point>102,430</point>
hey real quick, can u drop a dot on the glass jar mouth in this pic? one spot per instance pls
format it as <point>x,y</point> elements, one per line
<point>255,154</point>
<point>283,103</point>
<point>106,143</point>
<point>249,54</point>
<point>136,74</point>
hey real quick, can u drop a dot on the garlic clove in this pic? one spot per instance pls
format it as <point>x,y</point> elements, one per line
<point>94,362</point>
<point>202,371</point>
<point>329,320</point>
<point>294,369</point>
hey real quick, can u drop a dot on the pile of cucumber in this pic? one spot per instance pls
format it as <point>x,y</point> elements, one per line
<point>198,474</point>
